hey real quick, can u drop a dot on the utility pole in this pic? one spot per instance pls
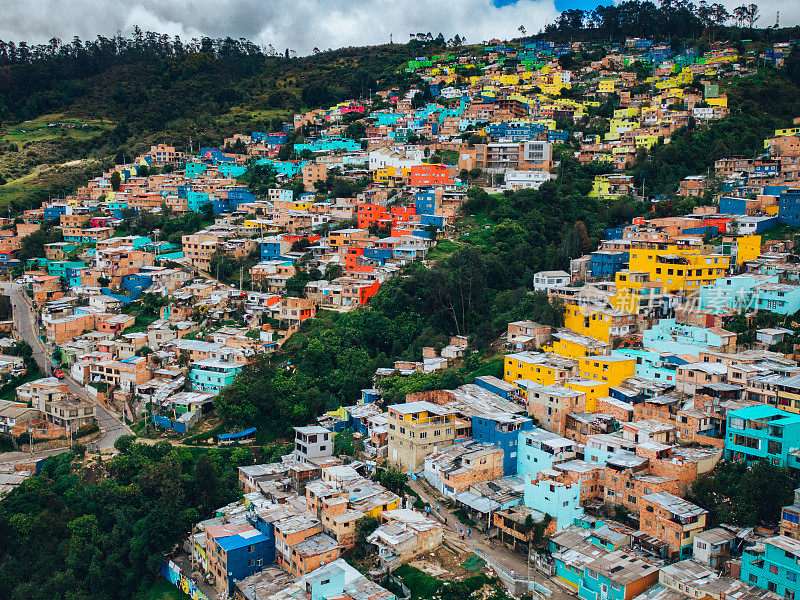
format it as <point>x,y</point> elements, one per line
<point>240,279</point>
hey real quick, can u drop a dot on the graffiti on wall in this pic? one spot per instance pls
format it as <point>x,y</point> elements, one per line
<point>173,574</point>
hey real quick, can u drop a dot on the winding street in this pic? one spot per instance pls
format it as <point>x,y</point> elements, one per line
<point>24,320</point>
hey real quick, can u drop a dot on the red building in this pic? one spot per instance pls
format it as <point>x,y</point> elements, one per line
<point>429,175</point>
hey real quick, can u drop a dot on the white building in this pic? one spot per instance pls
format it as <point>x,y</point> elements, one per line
<point>545,280</point>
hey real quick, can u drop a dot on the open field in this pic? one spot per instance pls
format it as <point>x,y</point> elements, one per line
<point>54,127</point>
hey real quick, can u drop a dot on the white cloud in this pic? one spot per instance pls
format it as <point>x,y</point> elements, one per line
<point>297,24</point>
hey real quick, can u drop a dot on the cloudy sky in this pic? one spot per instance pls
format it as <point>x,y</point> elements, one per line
<point>301,24</point>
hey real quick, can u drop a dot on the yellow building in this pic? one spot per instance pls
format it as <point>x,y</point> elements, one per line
<point>743,247</point>
<point>645,140</point>
<point>601,188</point>
<point>302,205</point>
<point>541,368</point>
<point>789,131</point>
<point>606,85</point>
<point>599,322</point>
<point>391,174</point>
<point>636,294</point>
<point>569,344</point>
<point>607,369</point>
<point>623,113</point>
<point>590,388</point>
<point>679,268</point>
<point>622,125</point>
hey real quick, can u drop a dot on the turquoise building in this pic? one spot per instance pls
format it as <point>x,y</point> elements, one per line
<point>584,559</point>
<point>212,375</point>
<point>538,449</point>
<point>763,432</point>
<point>652,365</point>
<point>773,565</point>
<point>231,170</point>
<point>669,336</point>
<point>193,169</point>
<point>559,500</point>
<point>194,200</point>
<point>731,293</point>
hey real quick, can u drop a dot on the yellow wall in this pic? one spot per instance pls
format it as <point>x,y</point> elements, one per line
<point>376,512</point>
<point>592,389</point>
<point>570,349</point>
<point>542,374</point>
<point>749,248</point>
<point>589,321</point>
<point>701,269</point>
<point>608,369</point>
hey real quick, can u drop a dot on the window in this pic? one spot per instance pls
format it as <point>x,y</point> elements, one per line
<point>746,441</point>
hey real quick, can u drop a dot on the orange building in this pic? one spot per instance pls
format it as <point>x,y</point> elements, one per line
<point>429,175</point>
<point>671,520</point>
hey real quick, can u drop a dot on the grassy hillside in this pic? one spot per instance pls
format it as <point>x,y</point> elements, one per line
<point>94,104</point>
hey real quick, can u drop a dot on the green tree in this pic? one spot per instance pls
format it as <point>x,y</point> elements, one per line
<point>116,181</point>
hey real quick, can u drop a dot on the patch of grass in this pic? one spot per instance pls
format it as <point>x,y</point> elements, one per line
<point>46,181</point>
<point>11,392</point>
<point>780,231</point>
<point>420,583</point>
<point>211,433</point>
<point>55,127</point>
<point>442,249</point>
<point>143,321</point>
<point>491,366</point>
<point>164,590</point>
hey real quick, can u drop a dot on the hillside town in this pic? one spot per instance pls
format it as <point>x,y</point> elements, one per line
<point>567,471</point>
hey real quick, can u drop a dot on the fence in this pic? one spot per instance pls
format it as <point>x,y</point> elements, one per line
<point>516,585</point>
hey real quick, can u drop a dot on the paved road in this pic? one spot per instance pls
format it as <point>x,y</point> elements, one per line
<point>108,422</point>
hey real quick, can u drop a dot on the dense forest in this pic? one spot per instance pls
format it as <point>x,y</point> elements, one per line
<point>98,531</point>
<point>673,20</point>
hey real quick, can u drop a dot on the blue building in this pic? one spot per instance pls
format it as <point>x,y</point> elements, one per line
<point>538,448</point>
<point>136,284</point>
<point>54,210</point>
<point>239,555</point>
<point>274,139</point>
<point>615,233</point>
<point>235,197</point>
<point>501,430</point>
<point>425,202</point>
<point>606,263</point>
<point>789,207</point>
<point>497,386</point>
<point>381,255</point>
<point>733,206</point>
<point>273,248</point>
<point>773,565</point>
<point>763,432</point>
